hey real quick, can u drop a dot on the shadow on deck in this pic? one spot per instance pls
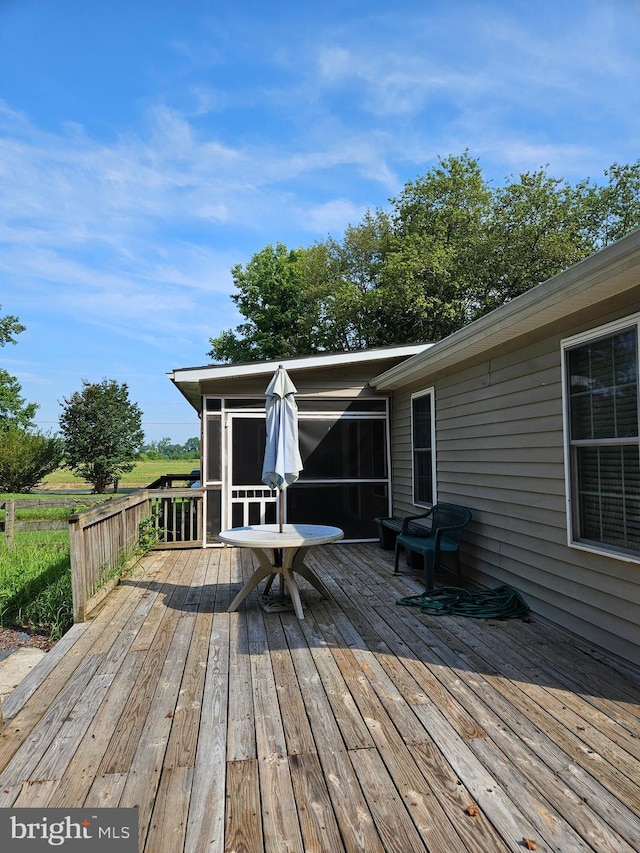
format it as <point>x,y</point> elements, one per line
<point>364,727</point>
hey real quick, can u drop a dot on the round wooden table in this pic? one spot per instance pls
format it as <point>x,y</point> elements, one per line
<point>294,541</point>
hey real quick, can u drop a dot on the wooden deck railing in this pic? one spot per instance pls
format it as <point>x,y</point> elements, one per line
<point>101,540</point>
<point>166,481</point>
<point>14,523</point>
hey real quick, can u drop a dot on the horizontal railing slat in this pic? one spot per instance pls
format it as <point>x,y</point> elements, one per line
<point>25,526</point>
<point>55,503</point>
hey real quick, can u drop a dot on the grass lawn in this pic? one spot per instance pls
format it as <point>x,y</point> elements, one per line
<point>35,582</point>
<point>143,474</point>
<point>35,575</point>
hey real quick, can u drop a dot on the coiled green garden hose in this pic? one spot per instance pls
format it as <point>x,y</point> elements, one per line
<point>503,602</point>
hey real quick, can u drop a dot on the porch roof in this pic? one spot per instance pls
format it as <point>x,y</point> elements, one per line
<point>188,379</point>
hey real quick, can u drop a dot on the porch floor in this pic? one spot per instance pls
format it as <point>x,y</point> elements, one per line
<point>364,727</point>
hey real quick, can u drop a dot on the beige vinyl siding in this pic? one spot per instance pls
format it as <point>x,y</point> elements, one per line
<point>499,451</point>
<point>344,381</point>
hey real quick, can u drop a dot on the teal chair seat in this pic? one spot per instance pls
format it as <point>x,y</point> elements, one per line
<point>444,534</point>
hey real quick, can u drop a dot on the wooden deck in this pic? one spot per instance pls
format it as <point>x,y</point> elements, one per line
<point>365,727</point>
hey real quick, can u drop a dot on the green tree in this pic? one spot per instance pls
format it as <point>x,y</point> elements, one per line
<point>14,409</point>
<point>451,249</point>
<point>26,458</point>
<point>440,223</point>
<point>536,230</point>
<point>272,299</point>
<point>191,448</point>
<point>348,305</point>
<point>164,448</point>
<point>612,210</point>
<point>102,431</point>
<point>10,326</point>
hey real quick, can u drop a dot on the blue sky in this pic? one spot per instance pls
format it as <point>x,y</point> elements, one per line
<point>147,146</point>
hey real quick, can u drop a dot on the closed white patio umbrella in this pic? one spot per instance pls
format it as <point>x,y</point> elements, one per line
<point>282,461</point>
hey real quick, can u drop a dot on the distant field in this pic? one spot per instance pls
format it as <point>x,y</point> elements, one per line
<point>143,474</point>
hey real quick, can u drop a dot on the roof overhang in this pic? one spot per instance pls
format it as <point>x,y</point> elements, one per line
<point>598,278</point>
<point>188,379</point>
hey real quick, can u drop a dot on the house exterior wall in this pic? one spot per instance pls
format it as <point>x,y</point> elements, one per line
<point>347,496</point>
<point>499,451</point>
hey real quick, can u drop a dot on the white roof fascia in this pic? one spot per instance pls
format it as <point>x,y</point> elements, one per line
<point>612,270</point>
<point>257,368</point>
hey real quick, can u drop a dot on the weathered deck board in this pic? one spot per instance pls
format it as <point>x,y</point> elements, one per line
<point>205,828</point>
<point>367,726</point>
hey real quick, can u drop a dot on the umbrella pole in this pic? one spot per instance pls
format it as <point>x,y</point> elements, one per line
<point>281,507</point>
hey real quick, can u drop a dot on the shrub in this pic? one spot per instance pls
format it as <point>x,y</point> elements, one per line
<point>26,458</point>
<point>148,535</point>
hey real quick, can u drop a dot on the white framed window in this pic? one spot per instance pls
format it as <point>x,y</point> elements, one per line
<point>602,439</point>
<point>423,447</point>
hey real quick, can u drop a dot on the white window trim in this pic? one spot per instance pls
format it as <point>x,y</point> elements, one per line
<point>434,479</point>
<point>566,344</point>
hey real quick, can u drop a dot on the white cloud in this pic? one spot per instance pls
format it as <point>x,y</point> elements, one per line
<point>159,213</point>
<point>283,124</point>
<point>493,78</point>
<point>334,216</point>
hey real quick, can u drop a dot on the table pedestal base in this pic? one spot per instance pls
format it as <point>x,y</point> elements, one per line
<point>292,562</point>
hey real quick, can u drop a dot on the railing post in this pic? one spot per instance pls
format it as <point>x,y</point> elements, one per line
<point>78,570</point>
<point>9,521</point>
<point>200,517</point>
<point>122,534</point>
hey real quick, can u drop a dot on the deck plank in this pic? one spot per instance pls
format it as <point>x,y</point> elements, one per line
<point>387,714</point>
<point>530,747</point>
<point>366,726</point>
<point>297,731</point>
<point>77,778</point>
<point>318,822</point>
<point>144,766</point>
<point>241,735</point>
<point>281,826</point>
<point>168,824</point>
<point>395,826</point>
<point>243,812</point>
<point>206,822</point>
<point>454,654</point>
<point>31,682</point>
<point>544,683</point>
<point>350,808</point>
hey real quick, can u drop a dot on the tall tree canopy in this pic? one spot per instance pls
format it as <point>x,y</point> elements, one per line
<point>102,431</point>
<point>10,326</point>
<point>14,409</point>
<point>26,456</point>
<point>273,297</point>
<point>451,248</point>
